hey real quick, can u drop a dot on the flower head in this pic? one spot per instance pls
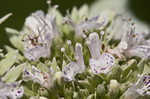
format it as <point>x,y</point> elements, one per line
<point>42,30</point>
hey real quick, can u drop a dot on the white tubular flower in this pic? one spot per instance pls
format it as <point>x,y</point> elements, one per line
<point>17,93</point>
<point>11,90</point>
<point>44,79</point>
<point>94,44</point>
<point>143,85</point>
<point>70,71</point>
<point>142,51</point>
<point>42,30</point>
<point>79,57</point>
<point>84,26</point>
<point>131,37</point>
<point>99,63</point>
<point>73,68</point>
<point>140,88</point>
<point>132,44</point>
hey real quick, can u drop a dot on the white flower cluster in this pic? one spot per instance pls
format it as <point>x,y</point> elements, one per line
<point>43,29</point>
<point>99,63</point>
<point>110,75</point>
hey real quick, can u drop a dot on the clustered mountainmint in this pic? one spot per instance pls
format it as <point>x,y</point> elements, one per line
<point>78,56</point>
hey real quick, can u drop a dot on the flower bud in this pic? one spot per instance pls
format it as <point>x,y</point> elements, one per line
<point>100,90</point>
<point>114,89</point>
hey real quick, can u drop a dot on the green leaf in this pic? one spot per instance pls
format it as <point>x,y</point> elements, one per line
<point>54,65</point>
<point>42,67</point>
<point>5,17</point>
<point>10,58</point>
<point>14,73</point>
<point>16,42</point>
<point>83,11</point>
<point>28,92</point>
<point>15,38</point>
<point>126,68</point>
<point>64,64</point>
<point>146,69</point>
<point>11,31</point>
<point>74,14</point>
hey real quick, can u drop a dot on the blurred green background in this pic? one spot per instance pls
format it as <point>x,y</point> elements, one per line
<point>22,8</point>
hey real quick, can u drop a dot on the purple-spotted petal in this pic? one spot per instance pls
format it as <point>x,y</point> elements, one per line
<point>103,64</point>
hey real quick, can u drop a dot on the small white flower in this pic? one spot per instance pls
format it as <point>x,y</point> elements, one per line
<point>141,87</point>
<point>84,26</point>
<point>69,42</point>
<point>120,25</point>
<point>17,93</point>
<point>132,44</point>
<point>99,63</point>
<point>102,33</point>
<point>142,51</point>
<point>94,45</point>
<point>71,69</point>
<point>131,37</point>
<point>42,30</point>
<point>62,49</point>
<point>11,90</point>
<point>44,79</point>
